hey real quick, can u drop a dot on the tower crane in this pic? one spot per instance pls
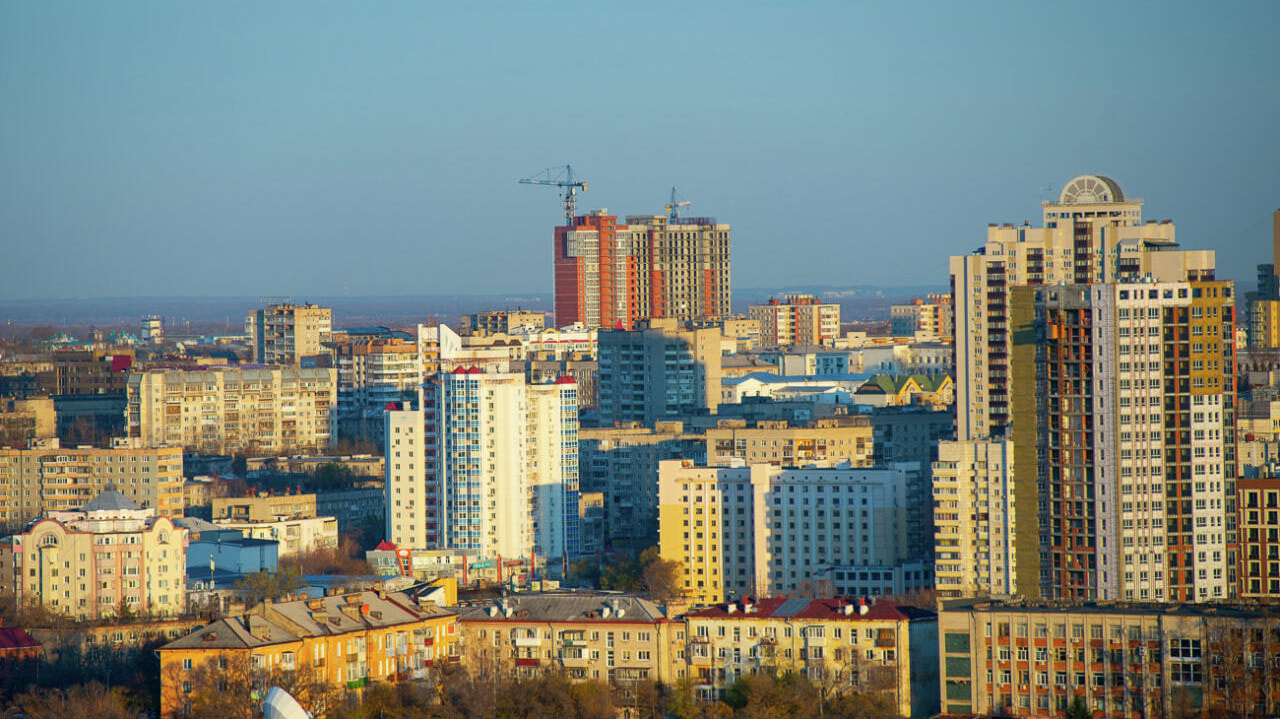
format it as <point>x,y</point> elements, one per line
<point>673,207</point>
<point>563,179</point>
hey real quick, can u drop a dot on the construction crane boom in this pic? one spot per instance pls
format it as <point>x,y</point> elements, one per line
<point>563,179</point>
<point>673,207</point>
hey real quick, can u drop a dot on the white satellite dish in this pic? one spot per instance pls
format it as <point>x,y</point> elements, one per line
<point>279,704</point>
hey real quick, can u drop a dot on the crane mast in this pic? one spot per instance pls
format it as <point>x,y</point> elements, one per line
<point>563,179</point>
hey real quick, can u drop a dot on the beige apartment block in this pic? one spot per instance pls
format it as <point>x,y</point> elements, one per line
<point>89,562</point>
<point>22,420</point>
<point>819,442</point>
<point>503,321</point>
<point>49,477</point>
<point>285,333</point>
<point>766,531</point>
<point>796,320</point>
<point>228,410</point>
<point>264,507</point>
<point>975,528</point>
<point>931,317</point>
<point>611,638</point>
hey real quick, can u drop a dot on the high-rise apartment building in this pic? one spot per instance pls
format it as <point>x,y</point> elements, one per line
<point>48,477</point>
<point>92,561</point>
<point>373,373</point>
<point>1135,427</point>
<point>660,370</point>
<point>284,333</point>
<point>764,530</point>
<point>796,320</point>
<point>489,465</point>
<point>225,410</point>
<point>974,519</point>
<point>610,275</point>
<point>1092,234</point>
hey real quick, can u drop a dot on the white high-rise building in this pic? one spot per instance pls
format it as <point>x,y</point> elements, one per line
<point>487,464</point>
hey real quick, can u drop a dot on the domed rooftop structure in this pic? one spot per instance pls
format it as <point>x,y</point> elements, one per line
<point>1091,189</point>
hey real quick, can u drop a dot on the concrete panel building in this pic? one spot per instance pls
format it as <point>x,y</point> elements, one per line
<point>49,477</point>
<point>658,371</point>
<point>796,320</point>
<point>285,333</point>
<point>226,410</point>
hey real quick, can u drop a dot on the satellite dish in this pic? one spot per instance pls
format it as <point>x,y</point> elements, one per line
<point>279,704</point>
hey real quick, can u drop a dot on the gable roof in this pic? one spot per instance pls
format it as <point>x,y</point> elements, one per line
<point>800,608</point>
<point>15,638</point>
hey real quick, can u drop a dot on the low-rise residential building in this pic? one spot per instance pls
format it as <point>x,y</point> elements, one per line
<point>328,644</point>
<point>885,390</point>
<point>823,441</point>
<point>359,465</point>
<point>846,645</point>
<point>296,535</point>
<point>764,530</point>
<point>1124,659</point>
<point>49,477</point>
<point>264,507</point>
<point>224,410</point>
<point>832,389</point>
<point>20,656</point>
<point>91,563</point>
<point>603,637</point>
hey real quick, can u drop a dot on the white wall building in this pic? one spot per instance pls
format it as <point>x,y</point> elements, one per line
<point>489,465</point>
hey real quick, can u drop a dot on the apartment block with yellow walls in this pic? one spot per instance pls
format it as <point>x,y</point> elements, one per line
<point>823,441</point>
<point>598,637</point>
<point>49,477</point>
<point>92,562</point>
<point>335,643</point>
<point>846,645</point>
<point>765,530</point>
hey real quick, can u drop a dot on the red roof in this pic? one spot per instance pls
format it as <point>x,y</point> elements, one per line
<point>384,546</point>
<point>474,370</point>
<point>392,407</point>
<point>566,379</point>
<point>15,638</point>
<point>458,370</point>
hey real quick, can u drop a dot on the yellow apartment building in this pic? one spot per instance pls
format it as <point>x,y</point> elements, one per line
<point>87,563</point>
<point>823,441</point>
<point>600,637</point>
<point>843,644</point>
<point>324,645</point>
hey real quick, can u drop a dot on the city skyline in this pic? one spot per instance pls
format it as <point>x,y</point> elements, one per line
<point>145,142</point>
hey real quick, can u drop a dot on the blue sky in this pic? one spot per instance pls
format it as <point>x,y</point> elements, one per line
<point>245,148</point>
